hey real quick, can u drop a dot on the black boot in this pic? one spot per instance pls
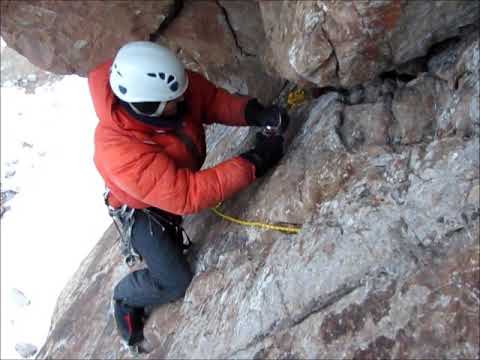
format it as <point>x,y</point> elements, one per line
<point>130,321</point>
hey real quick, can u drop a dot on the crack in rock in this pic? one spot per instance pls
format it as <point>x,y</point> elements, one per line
<point>177,7</point>
<point>334,53</point>
<point>314,307</point>
<point>243,52</point>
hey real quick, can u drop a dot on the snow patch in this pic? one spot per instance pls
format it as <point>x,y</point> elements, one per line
<point>57,214</point>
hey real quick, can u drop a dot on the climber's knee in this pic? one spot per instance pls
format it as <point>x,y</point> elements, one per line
<point>178,289</point>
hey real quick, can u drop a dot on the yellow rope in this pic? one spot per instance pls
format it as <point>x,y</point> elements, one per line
<point>294,98</point>
<point>286,229</point>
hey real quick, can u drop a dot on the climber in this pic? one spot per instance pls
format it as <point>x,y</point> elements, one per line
<point>149,148</point>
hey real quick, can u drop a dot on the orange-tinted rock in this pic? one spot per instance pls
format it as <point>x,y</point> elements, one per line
<point>68,37</point>
<point>348,42</point>
<point>224,40</point>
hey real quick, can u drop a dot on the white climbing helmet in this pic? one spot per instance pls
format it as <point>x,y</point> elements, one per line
<point>143,71</point>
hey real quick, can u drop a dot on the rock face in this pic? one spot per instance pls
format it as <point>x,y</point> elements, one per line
<point>225,43</point>
<point>16,70</point>
<point>321,43</point>
<point>386,264</point>
<point>345,43</point>
<point>5,196</point>
<point>68,37</point>
<point>224,40</point>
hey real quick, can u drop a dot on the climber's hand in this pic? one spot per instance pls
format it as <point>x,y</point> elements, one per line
<point>266,154</point>
<point>258,115</point>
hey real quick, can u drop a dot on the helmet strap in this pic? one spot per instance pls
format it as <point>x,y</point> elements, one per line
<point>158,112</point>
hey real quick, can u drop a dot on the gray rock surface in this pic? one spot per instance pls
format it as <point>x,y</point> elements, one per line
<point>416,106</point>
<point>386,264</point>
<point>366,124</point>
<point>5,196</point>
<point>349,42</point>
<point>441,102</point>
<point>25,350</point>
<point>459,67</point>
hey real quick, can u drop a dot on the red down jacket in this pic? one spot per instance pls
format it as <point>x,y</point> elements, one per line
<point>145,166</point>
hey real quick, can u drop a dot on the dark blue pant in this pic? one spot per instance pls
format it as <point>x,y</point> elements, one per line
<point>167,275</point>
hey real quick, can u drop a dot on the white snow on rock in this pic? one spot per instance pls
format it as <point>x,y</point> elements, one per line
<point>25,350</point>
<point>19,298</point>
<point>57,215</point>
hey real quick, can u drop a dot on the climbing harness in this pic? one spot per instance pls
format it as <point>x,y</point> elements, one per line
<point>160,218</point>
<point>123,218</point>
<point>291,229</point>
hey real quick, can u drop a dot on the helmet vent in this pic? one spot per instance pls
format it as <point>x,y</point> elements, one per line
<point>122,89</point>
<point>170,79</point>
<point>152,75</point>
<point>119,73</point>
<point>174,86</point>
<point>162,76</point>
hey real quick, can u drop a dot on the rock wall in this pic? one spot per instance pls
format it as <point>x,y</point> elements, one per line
<point>224,40</point>
<point>344,43</point>
<point>247,46</point>
<point>381,171</point>
<point>384,179</point>
<point>68,37</point>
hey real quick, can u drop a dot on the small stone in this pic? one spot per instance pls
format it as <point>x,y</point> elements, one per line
<point>10,173</point>
<point>19,298</point>
<point>474,195</point>
<point>356,96</point>
<point>7,195</point>
<point>4,209</point>
<point>79,44</point>
<point>25,350</point>
<point>328,248</point>
<point>32,77</point>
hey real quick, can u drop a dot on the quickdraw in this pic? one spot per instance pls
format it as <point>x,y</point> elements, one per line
<point>123,218</point>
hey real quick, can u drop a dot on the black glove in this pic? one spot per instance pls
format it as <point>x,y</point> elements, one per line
<point>258,115</point>
<point>266,154</point>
